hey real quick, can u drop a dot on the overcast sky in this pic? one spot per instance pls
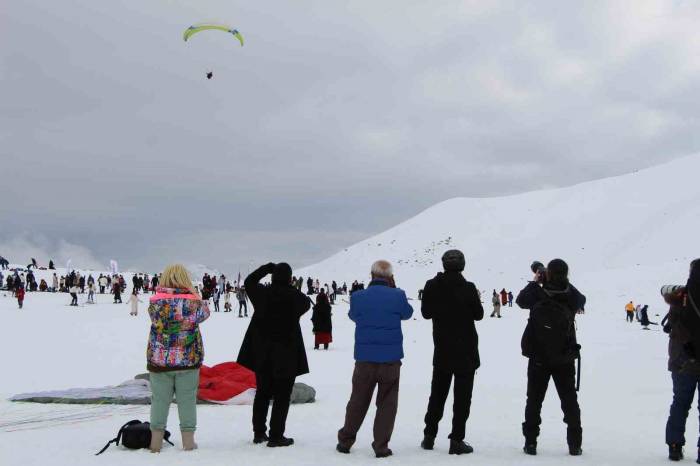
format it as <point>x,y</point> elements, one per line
<point>336,121</point>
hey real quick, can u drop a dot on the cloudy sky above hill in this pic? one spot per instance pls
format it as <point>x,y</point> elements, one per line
<point>336,120</point>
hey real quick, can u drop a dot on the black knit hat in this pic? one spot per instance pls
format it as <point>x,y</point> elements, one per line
<point>282,273</point>
<point>453,261</point>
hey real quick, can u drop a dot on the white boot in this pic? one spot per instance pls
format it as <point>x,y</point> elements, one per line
<point>188,441</point>
<point>156,440</point>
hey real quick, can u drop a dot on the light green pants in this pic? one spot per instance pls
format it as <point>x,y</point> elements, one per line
<point>183,384</point>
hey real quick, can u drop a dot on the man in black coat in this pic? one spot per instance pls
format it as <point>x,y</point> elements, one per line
<point>273,347</point>
<point>551,294</point>
<point>453,304</point>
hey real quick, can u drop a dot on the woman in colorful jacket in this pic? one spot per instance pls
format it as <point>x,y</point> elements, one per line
<point>175,353</point>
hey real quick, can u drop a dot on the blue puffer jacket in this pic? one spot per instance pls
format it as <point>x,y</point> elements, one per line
<point>377,313</point>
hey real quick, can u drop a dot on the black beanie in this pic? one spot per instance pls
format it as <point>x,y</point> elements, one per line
<point>282,273</point>
<point>453,261</point>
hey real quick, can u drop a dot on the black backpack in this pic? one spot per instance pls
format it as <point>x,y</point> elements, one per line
<point>134,435</point>
<point>550,334</point>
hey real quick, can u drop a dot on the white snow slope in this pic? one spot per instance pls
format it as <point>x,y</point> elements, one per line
<point>623,237</point>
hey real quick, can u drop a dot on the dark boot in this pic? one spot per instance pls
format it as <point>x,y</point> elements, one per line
<point>530,449</point>
<point>458,447</point>
<point>575,450</point>
<point>280,442</point>
<point>342,449</point>
<point>384,453</point>
<point>428,443</point>
<point>260,438</point>
<point>675,452</point>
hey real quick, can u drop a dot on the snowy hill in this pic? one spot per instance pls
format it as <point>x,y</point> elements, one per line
<point>633,232</point>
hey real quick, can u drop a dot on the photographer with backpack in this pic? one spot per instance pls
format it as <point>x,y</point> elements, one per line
<point>549,342</point>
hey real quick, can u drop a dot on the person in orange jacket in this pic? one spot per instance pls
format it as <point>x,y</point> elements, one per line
<point>629,308</point>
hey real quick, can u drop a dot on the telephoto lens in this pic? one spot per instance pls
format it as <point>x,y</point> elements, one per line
<point>673,295</point>
<point>671,290</point>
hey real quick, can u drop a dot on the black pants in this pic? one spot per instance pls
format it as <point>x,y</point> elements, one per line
<point>268,388</point>
<point>630,316</point>
<point>440,388</point>
<point>565,382</point>
<point>74,300</point>
<point>242,305</point>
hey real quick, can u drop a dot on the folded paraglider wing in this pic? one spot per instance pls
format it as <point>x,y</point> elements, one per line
<point>195,28</point>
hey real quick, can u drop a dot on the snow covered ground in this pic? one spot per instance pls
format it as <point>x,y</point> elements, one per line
<point>624,237</point>
<point>48,345</point>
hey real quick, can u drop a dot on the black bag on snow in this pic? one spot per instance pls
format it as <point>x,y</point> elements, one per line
<point>134,435</point>
<point>550,334</point>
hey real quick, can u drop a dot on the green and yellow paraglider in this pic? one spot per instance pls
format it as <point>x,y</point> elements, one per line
<point>196,28</point>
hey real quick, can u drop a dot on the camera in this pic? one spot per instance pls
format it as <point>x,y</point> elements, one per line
<point>673,294</point>
<point>540,272</point>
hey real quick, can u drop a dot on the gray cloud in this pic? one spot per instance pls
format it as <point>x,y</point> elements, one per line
<point>335,121</point>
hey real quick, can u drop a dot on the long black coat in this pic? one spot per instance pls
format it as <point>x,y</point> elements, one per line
<point>273,343</point>
<point>454,305</point>
<point>321,317</point>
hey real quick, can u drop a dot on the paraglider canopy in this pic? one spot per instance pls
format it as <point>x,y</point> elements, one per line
<point>196,28</point>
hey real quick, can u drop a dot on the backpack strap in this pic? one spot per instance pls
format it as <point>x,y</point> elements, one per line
<point>118,438</point>
<point>692,303</point>
<point>578,372</point>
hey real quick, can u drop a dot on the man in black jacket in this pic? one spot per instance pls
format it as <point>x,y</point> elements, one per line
<point>551,296</point>
<point>273,347</point>
<point>453,304</point>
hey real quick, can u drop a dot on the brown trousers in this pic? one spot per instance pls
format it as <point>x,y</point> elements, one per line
<point>365,378</point>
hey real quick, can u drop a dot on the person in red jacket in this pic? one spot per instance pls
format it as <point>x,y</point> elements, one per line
<point>504,297</point>
<point>20,296</point>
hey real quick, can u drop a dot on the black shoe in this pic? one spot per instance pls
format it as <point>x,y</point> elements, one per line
<point>575,450</point>
<point>341,449</point>
<point>260,438</point>
<point>530,449</point>
<point>675,452</point>
<point>280,442</point>
<point>384,454</point>
<point>458,447</point>
<point>428,443</point>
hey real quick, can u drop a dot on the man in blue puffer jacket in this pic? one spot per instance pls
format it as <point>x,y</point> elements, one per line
<point>377,313</point>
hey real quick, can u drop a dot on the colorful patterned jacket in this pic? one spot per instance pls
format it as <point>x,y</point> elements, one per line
<point>175,342</point>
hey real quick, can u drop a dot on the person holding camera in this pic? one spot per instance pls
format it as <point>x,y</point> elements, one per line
<point>453,304</point>
<point>683,326</point>
<point>549,342</point>
<point>273,348</point>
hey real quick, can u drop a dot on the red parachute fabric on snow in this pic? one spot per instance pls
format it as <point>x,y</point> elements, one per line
<point>224,381</point>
